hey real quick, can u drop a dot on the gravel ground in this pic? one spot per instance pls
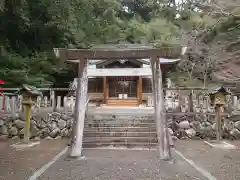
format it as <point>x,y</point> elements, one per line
<point>19,165</point>
<point>223,164</point>
<point>120,165</point>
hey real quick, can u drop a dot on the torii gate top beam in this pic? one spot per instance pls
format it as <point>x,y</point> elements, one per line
<point>118,52</point>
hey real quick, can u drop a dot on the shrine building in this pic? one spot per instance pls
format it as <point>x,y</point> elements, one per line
<point>122,81</point>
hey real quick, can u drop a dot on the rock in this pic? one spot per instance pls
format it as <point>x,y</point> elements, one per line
<point>65,117</point>
<point>170,131</point>
<point>1,122</point>
<point>41,125</point>
<point>195,125</point>
<point>54,132</point>
<point>174,137</point>
<point>235,133</point>
<point>34,131</point>
<point>13,131</point>
<point>37,138</point>
<point>69,123</point>
<point>214,126</point>
<point>53,126</point>
<point>4,130</point>
<point>184,125</point>
<point>58,137</point>
<point>206,124</point>
<point>21,132</point>
<point>234,118</point>
<point>15,137</point>
<point>237,125</point>
<point>62,124</point>
<point>48,138</point>
<point>190,132</point>
<point>228,125</point>
<point>19,124</point>
<point>64,132</point>
<point>44,133</point>
<point>9,124</point>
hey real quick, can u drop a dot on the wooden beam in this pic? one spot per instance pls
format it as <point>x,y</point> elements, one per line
<point>140,90</point>
<point>119,72</point>
<point>105,90</point>
<point>118,53</point>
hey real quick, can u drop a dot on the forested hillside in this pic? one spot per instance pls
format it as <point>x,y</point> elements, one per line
<point>29,30</point>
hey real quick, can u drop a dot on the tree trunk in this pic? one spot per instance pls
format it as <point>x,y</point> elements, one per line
<point>80,110</point>
<point>160,111</point>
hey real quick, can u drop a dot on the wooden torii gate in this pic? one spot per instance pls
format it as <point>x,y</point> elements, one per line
<point>81,56</point>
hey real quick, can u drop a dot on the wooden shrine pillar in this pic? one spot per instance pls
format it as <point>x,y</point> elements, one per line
<point>140,90</point>
<point>105,90</point>
<point>80,109</point>
<point>160,111</point>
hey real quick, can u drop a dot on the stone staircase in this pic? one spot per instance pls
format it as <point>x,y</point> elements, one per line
<point>119,131</point>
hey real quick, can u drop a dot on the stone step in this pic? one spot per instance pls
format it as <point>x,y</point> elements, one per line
<point>119,129</point>
<point>120,121</point>
<point>110,125</point>
<point>120,139</point>
<point>120,144</point>
<point>111,117</point>
<point>119,134</point>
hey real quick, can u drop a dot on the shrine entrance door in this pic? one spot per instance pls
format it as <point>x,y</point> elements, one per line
<point>123,90</point>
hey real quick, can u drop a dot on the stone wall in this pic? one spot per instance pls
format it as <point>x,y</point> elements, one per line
<point>45,126</point>
<point>203,127</point>
<point>56,125</point>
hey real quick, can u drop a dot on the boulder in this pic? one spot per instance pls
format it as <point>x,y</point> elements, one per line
<point>58,137</point>
<point>228,125</point>
<point>1,122</point>
<point>170,131</point>
<point>52,126</point>
<point>15,137</point>
<point>13,131</point>
<point>190,132</point>
<point>48,138</point>
<point>69,123</point>
<point>214,126</point>
<point>184,125</point>
<point>64,132</point>
<point>19,124</point>
<point>195,125</point>
<point>44,133</point>
<point>65,117</point>
<point>54,132</point>
<point>235,133</point>
<point>62,124</point>
<point>21,133</point>
<point>34,131</point>
<point>237,125</point>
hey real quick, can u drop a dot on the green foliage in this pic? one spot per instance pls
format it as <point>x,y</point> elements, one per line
<point>30,29</point>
